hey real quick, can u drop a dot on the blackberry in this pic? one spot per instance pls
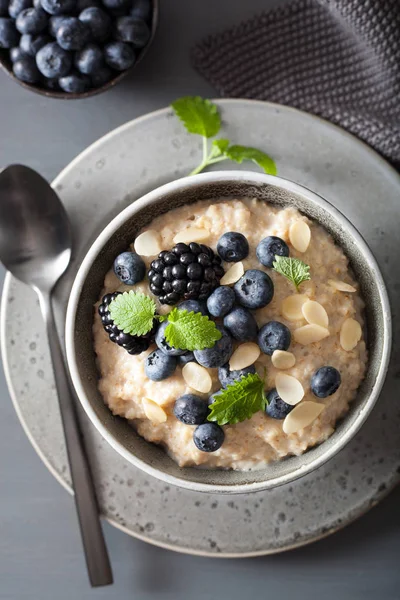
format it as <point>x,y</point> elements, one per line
<point>186,271</point>
<point>131,343</point>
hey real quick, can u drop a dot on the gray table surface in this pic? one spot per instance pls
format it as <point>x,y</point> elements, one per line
<point>40,550</point>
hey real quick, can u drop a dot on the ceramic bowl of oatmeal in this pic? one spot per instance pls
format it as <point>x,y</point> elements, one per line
<point>228,332</point>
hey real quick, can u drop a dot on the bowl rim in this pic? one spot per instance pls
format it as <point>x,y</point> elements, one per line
<point>252,178</point>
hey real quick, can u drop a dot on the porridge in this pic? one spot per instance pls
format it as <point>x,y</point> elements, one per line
<point>263,356</point>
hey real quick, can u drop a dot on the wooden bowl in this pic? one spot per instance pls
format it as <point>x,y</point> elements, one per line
<point>6,65</point>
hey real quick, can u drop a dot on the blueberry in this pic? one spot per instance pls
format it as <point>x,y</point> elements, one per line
<point>159,366</point>
<point>83,4</point>
<point>72,34</point>
<point>88,61</point>
<point>186,358</point>
<point>135,31</point>
<point>119,56</point>
<point>58,7</point>
<point>191,409</point>
<point>241,324</point>
<point>221,301</point>
<point>141,9</point>
<point>274,336</point>
<point>117,6</point>
<point>233,246</point>
<point>51,84</point>
<point>17,6</point>
<point>208,437</point>
<point>129,267</point>
<point>269,247</point>
<point>197,306</point>
<point>32,20</point>
<point>213,397</point>
<point>74,83</point>
<point>276,407</point>
<point>254,289</point>
<point>4,8</point>
<point>16,54</point>
<point>219,354</point>
<point>98,21</point>
<point>162,342</point>
<point>26,70</point>
<point>102,76</point>
<point>325,382</point>
<point>9,36</point>
<point>31,44</point>
<point>37,4</point>
<point>52,61</point>
<point>54,23</point>
<point>227,377</point>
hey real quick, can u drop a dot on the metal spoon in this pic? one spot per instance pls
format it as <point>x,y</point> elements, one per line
<point>35,245</point>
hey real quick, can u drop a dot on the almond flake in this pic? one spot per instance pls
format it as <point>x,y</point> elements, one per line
<point>315,313</point>
<point>244,356</point>
<point>301,416</point>
<point>282,359</point>
<point>300,235</point>
<point>291,307</point>
<point>164,309</point>
<point>192,234</point>
<point>148,243</point>
<point>289,388</point>
<point>341,286</point>
<point>153,411</point>
<point>309,334</point>
<point>350,334</point>
<point>233,274</point>
<point>197,377</point>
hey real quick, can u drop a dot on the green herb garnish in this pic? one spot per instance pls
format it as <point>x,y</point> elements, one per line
<point>190,330</point>
<point>238,401</point>
<point>201,117</point>
<point>294,269</point>
<point>133,312</point>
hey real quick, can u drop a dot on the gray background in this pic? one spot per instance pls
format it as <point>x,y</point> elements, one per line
<point>40,551</point>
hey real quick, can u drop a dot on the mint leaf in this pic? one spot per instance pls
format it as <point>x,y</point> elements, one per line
<point>218,148</point>
<point>199,116</point>
<point>241,153</point>
<point>133,312</point>
<point>190,330</point>
<point>294,269</point>
<point>238,401</point>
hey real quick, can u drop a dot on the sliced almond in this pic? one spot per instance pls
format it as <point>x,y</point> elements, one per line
<point>309,334</point>
<point>300,235</point>
<point>192,234</point>
<point>153,411</point>
<point>315,313</point>
<point>350,334</point>
<point>164,309</point>
<point>244,356</point>
<point>289,388</point>
<point>197,377</point>
<point>281,359</point>
<point>341,286</point>
<point>301,416</point>
<point>291,307</point>
<point>233,274</point>
<point>148,243</point>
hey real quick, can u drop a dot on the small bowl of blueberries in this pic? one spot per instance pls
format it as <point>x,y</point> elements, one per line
<point>74,48</point>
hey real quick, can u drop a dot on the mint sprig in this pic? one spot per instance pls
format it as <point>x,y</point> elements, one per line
<point>201,117</point>
<point>190,330</point>
<point>294,269</point>
<point>238,401</point>
<point>133,312</point>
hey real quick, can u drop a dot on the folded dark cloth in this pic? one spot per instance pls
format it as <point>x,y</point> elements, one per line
<point>339,59</point>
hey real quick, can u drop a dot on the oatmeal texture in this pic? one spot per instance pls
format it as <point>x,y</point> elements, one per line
<point>259,440</point>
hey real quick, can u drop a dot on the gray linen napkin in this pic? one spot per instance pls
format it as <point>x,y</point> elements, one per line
<point>339,59</point>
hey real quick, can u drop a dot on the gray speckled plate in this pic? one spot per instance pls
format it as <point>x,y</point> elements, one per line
<point>97,185</point>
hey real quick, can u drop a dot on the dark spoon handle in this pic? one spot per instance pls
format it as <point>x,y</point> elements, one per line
<point>97,560</point>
